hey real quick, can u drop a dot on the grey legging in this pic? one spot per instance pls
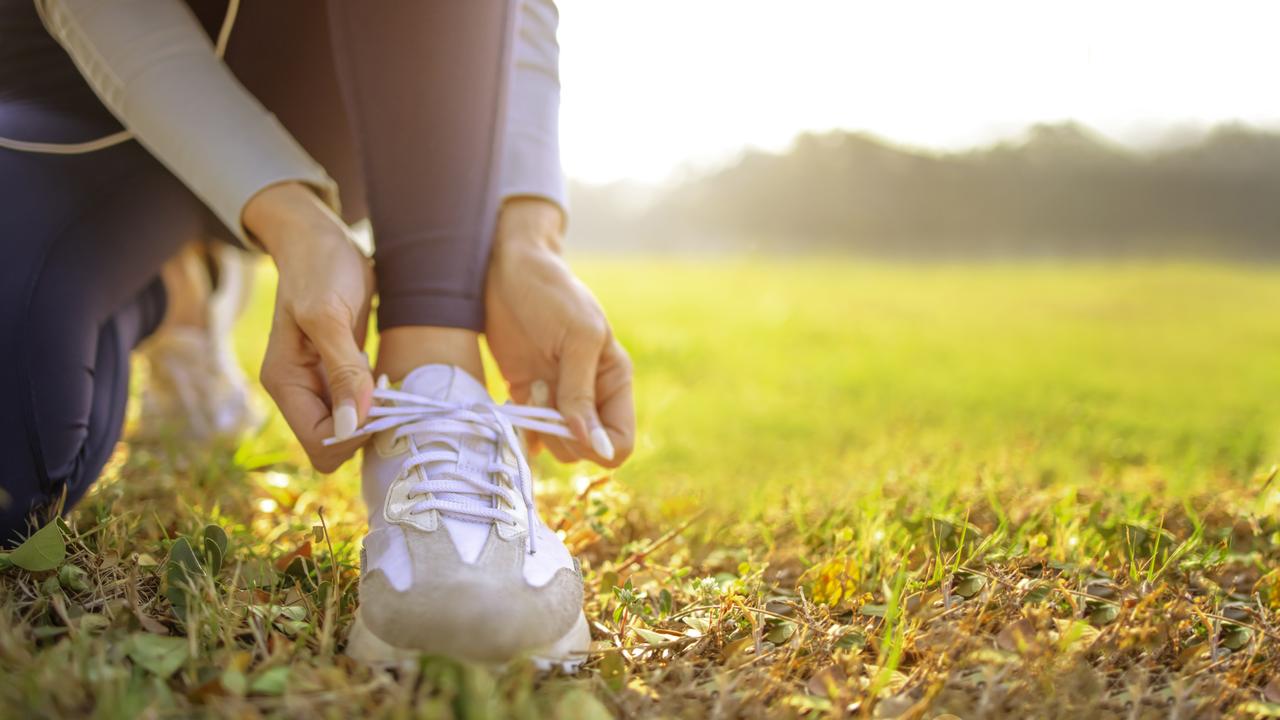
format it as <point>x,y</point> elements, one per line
<point>402,102</point>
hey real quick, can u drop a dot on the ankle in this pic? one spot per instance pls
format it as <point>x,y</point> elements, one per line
<point>403,349</point>
<point>187,290</point>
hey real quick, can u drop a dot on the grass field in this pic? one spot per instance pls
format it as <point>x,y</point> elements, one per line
<point>859,490</point>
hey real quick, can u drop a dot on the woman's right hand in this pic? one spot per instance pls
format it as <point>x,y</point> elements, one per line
<point>314,368</point>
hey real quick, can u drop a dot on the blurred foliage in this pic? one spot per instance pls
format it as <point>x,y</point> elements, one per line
<point>1062,191</point>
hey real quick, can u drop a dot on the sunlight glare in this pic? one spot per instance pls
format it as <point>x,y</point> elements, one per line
<point>650,87</point>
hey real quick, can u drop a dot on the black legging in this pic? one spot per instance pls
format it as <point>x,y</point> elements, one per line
<point>403,103</point>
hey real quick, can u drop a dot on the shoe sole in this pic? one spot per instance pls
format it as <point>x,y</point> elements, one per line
<point>566,654</point>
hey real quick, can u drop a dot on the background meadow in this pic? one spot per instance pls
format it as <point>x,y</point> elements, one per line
<point>861,488</point>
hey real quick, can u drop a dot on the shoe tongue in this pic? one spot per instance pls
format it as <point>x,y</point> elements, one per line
<point>453,384</point>
<point>444,382</point>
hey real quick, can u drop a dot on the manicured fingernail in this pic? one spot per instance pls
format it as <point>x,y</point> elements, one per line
<point>539,394</point>
<point>600,443</point>
<point>344,418</point>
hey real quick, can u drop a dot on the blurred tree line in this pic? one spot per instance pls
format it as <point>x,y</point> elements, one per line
<point>1060,191</point>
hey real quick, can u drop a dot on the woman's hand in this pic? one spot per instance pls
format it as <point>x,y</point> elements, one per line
<point>543,324</point>
<point>314,368</point>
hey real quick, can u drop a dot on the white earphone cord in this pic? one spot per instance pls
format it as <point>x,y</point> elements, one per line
<point>102,143</point>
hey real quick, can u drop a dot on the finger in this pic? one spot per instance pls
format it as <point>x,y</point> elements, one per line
<point>563,450</point>
<point>332,330</point>
<point>616,402</point>
<point>576,394</point>
<point>292,375</point>
<point>311,422</point>
<point>538,394</point>
<point>533,444</point>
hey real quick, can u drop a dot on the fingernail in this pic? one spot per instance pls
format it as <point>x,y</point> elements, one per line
<point>600,443</point>
<point>344,418</point>
<point>539,394</point>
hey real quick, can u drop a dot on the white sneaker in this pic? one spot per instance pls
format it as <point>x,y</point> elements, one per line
<point>196,388</point>
<point>457,561</point>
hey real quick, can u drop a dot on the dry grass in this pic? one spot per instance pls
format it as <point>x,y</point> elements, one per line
<point>999,565</point>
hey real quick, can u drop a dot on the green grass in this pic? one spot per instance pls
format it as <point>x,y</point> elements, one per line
<point>863,490</point>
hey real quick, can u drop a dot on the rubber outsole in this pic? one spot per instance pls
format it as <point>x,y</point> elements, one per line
<point>566,654</point>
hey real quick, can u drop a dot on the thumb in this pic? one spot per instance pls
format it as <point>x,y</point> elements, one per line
<point>576,397</point>
<point>347,370</point>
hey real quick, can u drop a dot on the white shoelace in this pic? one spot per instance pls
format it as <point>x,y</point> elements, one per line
<point>446,423</point>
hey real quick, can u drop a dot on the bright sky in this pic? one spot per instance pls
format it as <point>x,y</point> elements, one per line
<point>653,86</point>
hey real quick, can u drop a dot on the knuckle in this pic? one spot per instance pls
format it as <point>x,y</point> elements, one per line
<point>592,328</point>
<point>326,460</point>
<point>347,375</point>
<point>576,400</point>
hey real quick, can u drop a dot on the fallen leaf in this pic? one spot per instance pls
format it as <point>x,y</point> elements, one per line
<point>73,578</point>
<point>1104,614</point>
<point>1075,635</point>
<point>303,551</point>
<point>93,622</point>
<point>653,638</point>
<point>157,654</point>
<point>273,681</point>
<point>1235,637</point>
<point>234,682</point>
<point>781,632</point>
<point>1103,588</point>
<point>850,640</point>
<point>969,586</point>
<point>1038,593</point>
<point>1271,692</point>
<point>700,626</point>
<point>44,550</point>
<point>873,610</point>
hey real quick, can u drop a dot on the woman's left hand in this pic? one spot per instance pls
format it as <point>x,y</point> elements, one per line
<point>543,324</point>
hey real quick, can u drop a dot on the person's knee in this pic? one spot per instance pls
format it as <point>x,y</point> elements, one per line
<point>60,350</point>
<point>40,432</point>
<point>68,373</point>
